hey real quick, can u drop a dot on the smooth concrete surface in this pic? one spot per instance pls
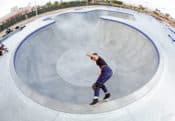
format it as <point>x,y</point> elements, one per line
<point>19,101</point>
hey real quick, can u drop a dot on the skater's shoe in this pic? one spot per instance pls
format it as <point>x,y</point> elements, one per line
<point>107,96</point>
<point>95,101</point>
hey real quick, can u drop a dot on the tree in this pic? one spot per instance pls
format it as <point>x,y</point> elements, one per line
<point>49,4</point>
<point>56,3</point>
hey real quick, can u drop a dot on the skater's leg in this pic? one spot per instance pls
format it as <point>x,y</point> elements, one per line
<point>96,89</point>
<point>107,94</point>
<point>105,90</point>
<point>103,79</point>
<point>96,94</point>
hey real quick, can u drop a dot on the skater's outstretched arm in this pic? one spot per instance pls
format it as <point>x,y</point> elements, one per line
<point>90,55</point>
<point>93,56</point>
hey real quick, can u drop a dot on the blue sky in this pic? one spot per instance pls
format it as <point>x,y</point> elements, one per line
<point>166,6</point>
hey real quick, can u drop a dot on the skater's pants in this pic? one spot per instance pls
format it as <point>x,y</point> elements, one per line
<point>106,74</point>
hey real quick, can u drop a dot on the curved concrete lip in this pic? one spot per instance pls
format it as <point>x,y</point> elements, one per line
<point>85,108</point>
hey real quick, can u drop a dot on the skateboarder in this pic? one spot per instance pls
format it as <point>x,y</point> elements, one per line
<point>104,75</point>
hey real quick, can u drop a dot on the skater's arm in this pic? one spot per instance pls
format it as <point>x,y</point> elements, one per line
<point>89,55</point>
<point>99,72</point>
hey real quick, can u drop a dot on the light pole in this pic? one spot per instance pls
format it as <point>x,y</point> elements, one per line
<point>87,2</point>
<point>36,9</point>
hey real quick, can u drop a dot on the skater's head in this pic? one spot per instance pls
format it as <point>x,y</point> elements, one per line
<point>94,53</point>
<point>94,57</point>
